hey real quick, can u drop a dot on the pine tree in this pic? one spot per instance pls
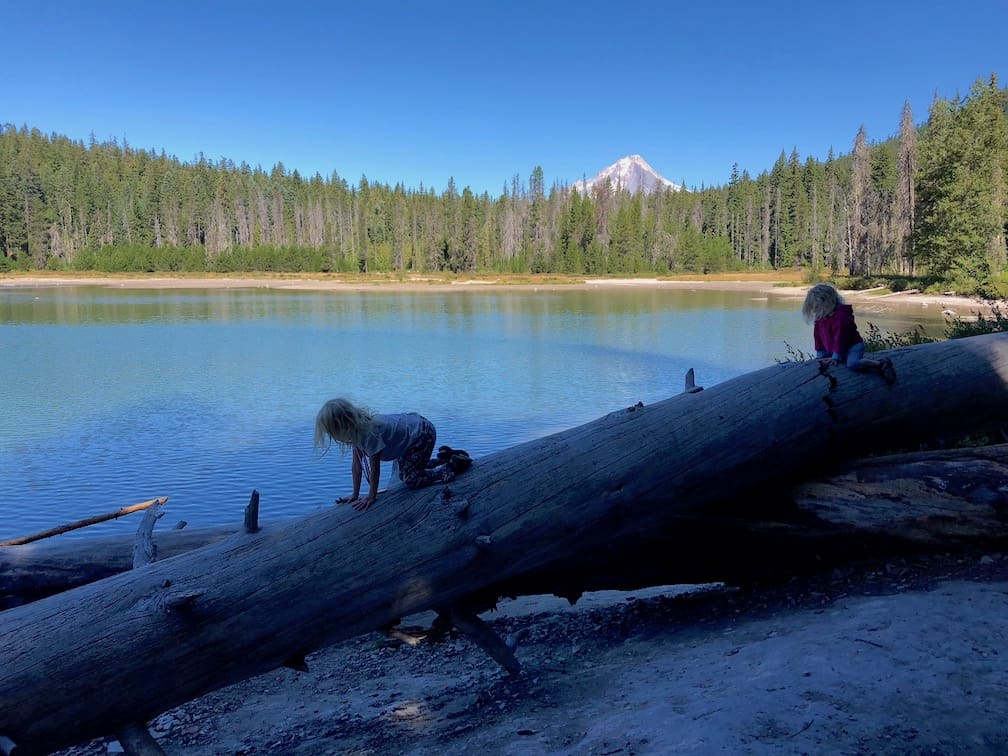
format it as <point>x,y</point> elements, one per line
<point>960,214</point>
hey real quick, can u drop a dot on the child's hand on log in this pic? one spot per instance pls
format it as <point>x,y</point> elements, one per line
<point>362,505</point>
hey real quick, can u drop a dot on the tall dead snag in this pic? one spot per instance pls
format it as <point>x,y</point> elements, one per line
<point>79,664</point>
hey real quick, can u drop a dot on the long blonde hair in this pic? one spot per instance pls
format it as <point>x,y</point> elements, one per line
<point>820,302</point>
<point>342,421</point>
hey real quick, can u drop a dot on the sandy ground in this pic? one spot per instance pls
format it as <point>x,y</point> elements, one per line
<point>786,286</point>
<point>906,656</point>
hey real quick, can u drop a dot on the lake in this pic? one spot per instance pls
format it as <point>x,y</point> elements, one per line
<point>109,397</point>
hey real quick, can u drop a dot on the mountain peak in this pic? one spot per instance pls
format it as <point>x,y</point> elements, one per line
<point>632,174</point>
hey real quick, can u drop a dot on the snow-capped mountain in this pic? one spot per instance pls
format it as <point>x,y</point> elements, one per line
<point>632,174</point>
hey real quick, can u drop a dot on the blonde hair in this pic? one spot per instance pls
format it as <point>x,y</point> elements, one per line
<point>341,421</point>
<point>821,300</point>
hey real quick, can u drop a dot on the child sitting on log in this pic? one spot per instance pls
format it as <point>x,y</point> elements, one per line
<point>835,334</point>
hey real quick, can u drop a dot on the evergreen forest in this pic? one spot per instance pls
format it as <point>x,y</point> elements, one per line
<point>927,207</point>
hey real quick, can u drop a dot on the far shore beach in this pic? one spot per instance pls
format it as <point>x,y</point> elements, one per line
<point>779,284</point>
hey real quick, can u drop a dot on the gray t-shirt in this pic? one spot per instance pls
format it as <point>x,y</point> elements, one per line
<point>393,434</point>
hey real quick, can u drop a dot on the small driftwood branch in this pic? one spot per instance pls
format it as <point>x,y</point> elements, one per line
<point>897,293</point>
<point>83,523</point>
<point>479,632</point>
<point>136,740</point>
<point>409,639</point>
<point>252,513</point>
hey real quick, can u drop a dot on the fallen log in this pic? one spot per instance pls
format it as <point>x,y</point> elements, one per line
<point>80,664</point>
<point>940,499</point>
<point>897,505</point>
<point>37,570</point>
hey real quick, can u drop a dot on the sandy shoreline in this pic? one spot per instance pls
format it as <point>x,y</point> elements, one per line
<point>784,287</point>
<point>898,656</point>
<point>415,283</point>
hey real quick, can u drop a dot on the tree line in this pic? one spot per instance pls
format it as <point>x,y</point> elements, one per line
<point>929,203</point>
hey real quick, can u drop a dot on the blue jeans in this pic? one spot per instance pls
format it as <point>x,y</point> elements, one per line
<point>853,357</point>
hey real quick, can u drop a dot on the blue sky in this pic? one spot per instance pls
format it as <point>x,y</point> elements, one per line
<point>420,93</point>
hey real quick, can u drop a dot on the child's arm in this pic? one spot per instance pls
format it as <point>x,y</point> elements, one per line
<point>375,460</point>
<point>355,474</point>
<point>374,475</point>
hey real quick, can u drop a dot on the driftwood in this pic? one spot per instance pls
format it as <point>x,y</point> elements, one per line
<point>37,570</point>
<point>80,664</point>
<point>83,523</point>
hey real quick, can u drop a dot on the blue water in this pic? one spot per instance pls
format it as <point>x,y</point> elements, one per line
<point>111,397</point>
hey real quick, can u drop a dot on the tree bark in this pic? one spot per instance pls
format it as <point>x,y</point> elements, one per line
<point>880,507</point>
<point>79,665</point>
<point>34,571</point>
<point>942,499</point>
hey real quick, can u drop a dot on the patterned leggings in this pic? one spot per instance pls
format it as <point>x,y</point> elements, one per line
<point>413,470</point>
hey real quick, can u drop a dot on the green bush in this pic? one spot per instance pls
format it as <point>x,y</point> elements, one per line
<point>877,341</point>
<point>14,263</point>
<point>137,258</point>
<point>996,322</point>
<point>899,284</point>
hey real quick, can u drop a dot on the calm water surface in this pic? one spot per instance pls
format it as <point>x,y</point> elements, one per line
<point>110,397</point>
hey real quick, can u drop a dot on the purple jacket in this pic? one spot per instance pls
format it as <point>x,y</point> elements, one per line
<point>837,333</point>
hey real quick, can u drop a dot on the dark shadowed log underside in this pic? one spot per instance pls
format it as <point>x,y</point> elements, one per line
<point>92,660</point>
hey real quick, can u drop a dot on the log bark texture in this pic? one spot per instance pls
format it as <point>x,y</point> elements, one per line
<point>939,499</point>
<point>79,664</point>
<point>897,505</point>
<point>37,570</point>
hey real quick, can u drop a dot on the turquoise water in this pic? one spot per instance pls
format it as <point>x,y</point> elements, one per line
<point>110,397</point>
